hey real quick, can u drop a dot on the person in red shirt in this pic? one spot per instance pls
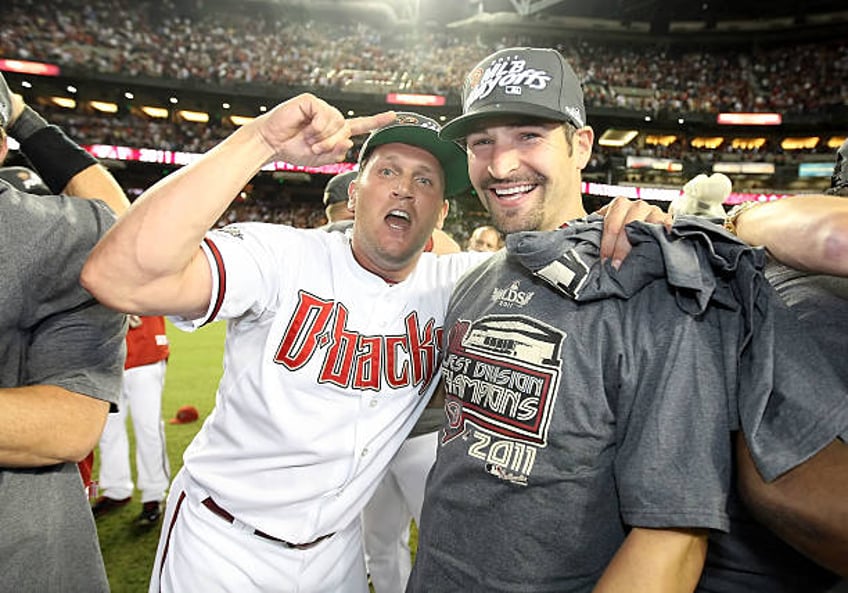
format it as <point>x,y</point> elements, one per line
<point>141,394</point>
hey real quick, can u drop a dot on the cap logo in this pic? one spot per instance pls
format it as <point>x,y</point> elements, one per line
<point>511,73</point>
<point>410,119</point>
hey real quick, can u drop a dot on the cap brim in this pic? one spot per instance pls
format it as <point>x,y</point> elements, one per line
<point>465,124</point>
<point>451,156</point>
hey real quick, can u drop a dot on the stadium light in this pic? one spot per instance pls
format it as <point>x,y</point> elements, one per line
<point>104,106</point>
<point>617,138</point>
<point>800,143</point>
<point>710,143</point>
<point>749,119</point>
<point>157,112</point>
<point>199,117</point>
<point>240,120</point>
<point>65,102</point>
<point>836,142</point>
<point>660,140</point>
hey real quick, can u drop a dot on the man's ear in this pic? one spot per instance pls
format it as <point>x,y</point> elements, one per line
<point>4,147</point>
<point>443,215</point>
<point>583,140</point>
<point>352,193</point>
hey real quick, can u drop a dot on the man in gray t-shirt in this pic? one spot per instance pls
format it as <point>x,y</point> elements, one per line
<point>61,360</point>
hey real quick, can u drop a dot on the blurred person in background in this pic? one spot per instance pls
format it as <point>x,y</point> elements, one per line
<point>485,238</point>
<point>141,397</point>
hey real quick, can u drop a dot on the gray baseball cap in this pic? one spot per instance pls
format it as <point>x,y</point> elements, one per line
<point>421,131</point>
<point>526,81</point>
<point>336,189</point>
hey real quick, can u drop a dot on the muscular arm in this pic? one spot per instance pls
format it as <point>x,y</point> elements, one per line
<point>805,232</point>
<point>150,262</point>
<point>45,424</point>
<point>656,561</point>
<point>807,506</point>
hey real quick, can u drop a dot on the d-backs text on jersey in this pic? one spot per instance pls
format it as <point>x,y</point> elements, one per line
<point>318,327</point>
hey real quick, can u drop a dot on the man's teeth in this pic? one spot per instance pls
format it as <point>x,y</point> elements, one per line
<point>511,191</point>
<point>400,214</point>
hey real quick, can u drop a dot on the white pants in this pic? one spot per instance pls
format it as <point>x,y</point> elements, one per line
<point>397,501</point>
<point>141,395</point>
<point>203,553</point>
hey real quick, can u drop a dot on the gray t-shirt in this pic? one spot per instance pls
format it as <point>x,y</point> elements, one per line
<point>52,332</point>
<point>600,400</point>
<point>750,557</point>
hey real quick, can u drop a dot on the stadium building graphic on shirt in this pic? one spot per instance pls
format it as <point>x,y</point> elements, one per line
<point>501,376</point>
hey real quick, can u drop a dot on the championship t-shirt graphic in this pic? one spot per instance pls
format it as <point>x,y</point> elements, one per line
<point>501,376</point>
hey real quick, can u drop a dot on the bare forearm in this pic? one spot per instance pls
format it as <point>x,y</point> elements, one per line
<point>44,424</point>
<point>97,183</point>
<point>807,506</point>
<point>150,257</point>
<point>656,561</point>
<point>806,232</point>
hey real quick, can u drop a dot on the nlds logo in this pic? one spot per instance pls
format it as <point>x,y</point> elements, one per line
<point>512,296</point>
<point>511,74</point>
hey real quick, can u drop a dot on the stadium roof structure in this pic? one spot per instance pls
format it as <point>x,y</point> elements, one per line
<point>650,17</point>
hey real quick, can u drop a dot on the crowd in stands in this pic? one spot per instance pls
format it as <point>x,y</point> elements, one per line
<point>141,38</point>
<point>156,39</point>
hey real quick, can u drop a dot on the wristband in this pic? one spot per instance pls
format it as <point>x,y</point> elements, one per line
<point>56,158</point>
<point>735,213</point>
<point>26,124</point>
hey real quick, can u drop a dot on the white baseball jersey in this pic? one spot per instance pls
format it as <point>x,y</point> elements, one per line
<point>326,369</point>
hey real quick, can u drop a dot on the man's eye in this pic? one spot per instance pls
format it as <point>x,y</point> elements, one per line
<point>425,181</point>
<point>530,135</point>
<point>385,171</point>
<point>474,142</point>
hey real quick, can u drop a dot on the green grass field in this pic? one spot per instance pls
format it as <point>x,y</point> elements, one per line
<point>194,369</point>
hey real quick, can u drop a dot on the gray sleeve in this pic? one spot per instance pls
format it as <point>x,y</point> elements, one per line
<point>74,342</point>
<point>807,406</point>
<point>673,462</point>
<point>81,350</point>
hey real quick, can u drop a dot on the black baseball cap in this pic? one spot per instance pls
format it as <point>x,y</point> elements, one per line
<point>421,131</point>
<point>839,179</point>
<point>336,189</point>
<point>25,180</point>
<point>524,81</point>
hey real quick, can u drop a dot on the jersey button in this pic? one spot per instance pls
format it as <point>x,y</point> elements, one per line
<point>364,452</point>
<point>373,403</point>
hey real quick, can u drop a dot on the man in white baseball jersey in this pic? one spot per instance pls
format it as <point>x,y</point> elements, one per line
<point>331,352</point>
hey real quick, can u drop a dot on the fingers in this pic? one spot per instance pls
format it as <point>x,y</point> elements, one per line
<point>618,213</point>
<point>363,125</point>
<point>338,138</point>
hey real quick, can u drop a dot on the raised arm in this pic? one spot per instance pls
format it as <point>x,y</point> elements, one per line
<point>150,262</point>
<point>805,232</point>
<point>64,166</point>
